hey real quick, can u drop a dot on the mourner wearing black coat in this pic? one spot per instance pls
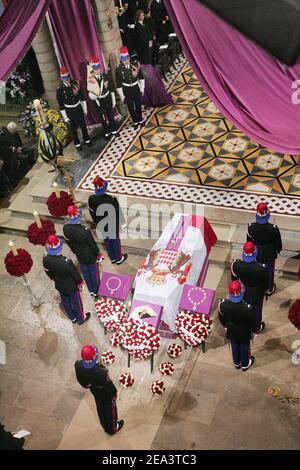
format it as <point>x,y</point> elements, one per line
<point>144,39</point>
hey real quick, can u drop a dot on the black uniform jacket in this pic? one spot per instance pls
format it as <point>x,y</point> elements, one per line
<point>97,380</point>
<point>69,95</point>
<point>254,276</point>
<point>81,241</point>
<point>106,209</point>
<point>267,238</point>
<point>125,76</point>
<point>63,272</point>
<point>239,319</point>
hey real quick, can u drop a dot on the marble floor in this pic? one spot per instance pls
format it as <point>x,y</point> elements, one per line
<point>207,404</point>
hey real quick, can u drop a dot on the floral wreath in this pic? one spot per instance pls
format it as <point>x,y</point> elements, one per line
<point>174,350</point>
<point>138,338</point>
<point>126,380</point>
<point>193,328</point>
<point>112,313</point>
<point>294,314</point>
<point>158,387</point>
<point>108,358</point>
<point>166,368</point>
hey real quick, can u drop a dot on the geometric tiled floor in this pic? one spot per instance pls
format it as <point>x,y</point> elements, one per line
<point>191,142</point>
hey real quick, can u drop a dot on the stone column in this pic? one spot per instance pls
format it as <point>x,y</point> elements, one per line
<point>108,31</point>
<point>45,54</point>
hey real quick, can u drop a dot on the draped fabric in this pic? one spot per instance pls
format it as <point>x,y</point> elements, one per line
<point>18,27</point>
<point>252,89</point>
<point>75,33</point>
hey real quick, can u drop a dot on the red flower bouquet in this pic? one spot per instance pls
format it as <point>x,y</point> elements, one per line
<point>294,314</point>
<point>157,387</point>
<point>58,206</point>
<point>126,380</point>
<point>166,368</point>
<point>39,236</point>
<point>174,350</point>
<point>139,339</point>
<point>18,265</point>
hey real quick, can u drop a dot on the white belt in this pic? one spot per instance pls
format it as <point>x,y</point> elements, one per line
<point>72,105</point>
<point>130,84</point>
<point>104,96</point>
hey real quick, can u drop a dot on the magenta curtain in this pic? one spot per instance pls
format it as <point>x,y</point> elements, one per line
<point>18,26</point>
<point>76,37</point>
<point>253,90</point>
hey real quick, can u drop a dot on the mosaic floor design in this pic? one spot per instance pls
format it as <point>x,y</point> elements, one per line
<point>189,151</point>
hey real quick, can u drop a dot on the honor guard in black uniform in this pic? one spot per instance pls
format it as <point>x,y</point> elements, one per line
<point>239,319</point>
<point>130,86</point>
<point>67,280</point>
<point>106,100</point>
<point>81,241</point>
<point>92,374</point>
<point>267,239</point>
<point>73,106</point>
<point>254,277</point>
<point>107,216</point>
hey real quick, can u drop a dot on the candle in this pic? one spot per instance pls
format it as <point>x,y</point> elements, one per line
<point>13,248</point>
<point>37,219</point>
<point>40,112</point>
<point>121,5</point>
<point>56,190</point>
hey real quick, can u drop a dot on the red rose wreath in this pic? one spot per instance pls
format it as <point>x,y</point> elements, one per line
<point>157,387</point>
<point>138,338</point>
<point>193,328</point>
<point>108,358</point>
<point>294,314</point>
<point>126,380</point>
<point>166,368</point>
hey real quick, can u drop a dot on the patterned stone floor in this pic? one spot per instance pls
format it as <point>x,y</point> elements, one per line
<point>191,151</point>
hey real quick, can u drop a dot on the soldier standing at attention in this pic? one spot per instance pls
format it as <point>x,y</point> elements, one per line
<point>106,214</point>
<point>267,239</point>
<point>130,86</point>
<point>92,374</point>
<point>67,280</point>
<point>106,100</point>
<point>239,319</point>
<point>254,277</point>
<point>80,240</point>
<point>73,106</point>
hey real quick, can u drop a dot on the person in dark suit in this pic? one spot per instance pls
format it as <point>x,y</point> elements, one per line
<point>67,280</point>
<point>107,216</point>
<point>254,277</point>
<point>25,156</point>
<point>10,166</point>
<point>134,6</point>
<point>143,39</point>
<point>239,319</point>
<point>163,24</point>
<point>93,375</point>
<point>267,239</point>
<point>124,20</point>
<point>80,240</point>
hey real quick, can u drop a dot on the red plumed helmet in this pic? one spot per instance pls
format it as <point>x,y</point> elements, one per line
<point>64,71</point>
<point>94,60</point>
<point>235,288</point>
<point>88,352</point>
<point>72,211</point>
<point>53,241</point>
<point>98,182</point>
<point>249,248</point>
<point>124,51</point>
<point>262,209</point>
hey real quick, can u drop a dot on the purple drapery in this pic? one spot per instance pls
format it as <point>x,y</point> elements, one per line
<point>253,90</point>
<point>76,37</point>
<point>18,26</point>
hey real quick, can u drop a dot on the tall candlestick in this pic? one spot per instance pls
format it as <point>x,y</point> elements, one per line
<point>37,219</point>
<point>40,112</point>
<point>56,190</point>
<point>13,248</point>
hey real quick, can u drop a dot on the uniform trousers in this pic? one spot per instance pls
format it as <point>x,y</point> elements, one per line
<point>107,413</point>
<point>113,248</point>
<point>271,271</point>
<point>73,306</point>
<point>135,107</point>
<point>241,352</point>
<point>76,117</point>
<point>258,306</point>
<point>90,273</point>
<point>106,114</point>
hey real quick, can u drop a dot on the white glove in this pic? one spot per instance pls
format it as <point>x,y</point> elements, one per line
<point>92,96</point>
<point>142,86</point>
<point>64,115</point>
<point>113,97</point>
<point>84,107</point>
<point>121,94</point>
